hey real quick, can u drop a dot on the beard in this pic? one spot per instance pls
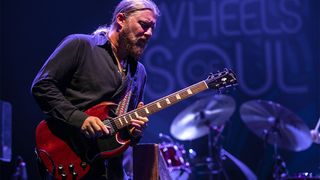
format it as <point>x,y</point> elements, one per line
<point>134,47</point>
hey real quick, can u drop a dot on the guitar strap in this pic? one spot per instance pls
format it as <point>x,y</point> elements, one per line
<point>124,102</point>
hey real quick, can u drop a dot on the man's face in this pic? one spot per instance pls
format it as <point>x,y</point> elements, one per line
<point>136,32</point>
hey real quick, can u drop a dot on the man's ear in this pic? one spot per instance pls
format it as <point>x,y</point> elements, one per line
<point>121,18</point>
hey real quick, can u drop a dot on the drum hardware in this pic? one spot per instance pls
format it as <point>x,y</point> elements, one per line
<point>280,170</point>
<point>192,154</point>
<point>303,176</point>
<point>220,169</point>
<point>277,126</point>
<point>165,137</point>
<point>175,158</point>
<point>206,116</point>
<point>215,157</point>
<point>315,135</point>
<point>279,167</point>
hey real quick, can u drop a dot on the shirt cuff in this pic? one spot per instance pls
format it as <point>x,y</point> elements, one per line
<point>77,118</point>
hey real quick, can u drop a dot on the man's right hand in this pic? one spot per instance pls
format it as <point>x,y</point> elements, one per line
<point>93,127</point>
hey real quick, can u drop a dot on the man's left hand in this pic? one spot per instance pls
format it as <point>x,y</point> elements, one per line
<point>139,124</point>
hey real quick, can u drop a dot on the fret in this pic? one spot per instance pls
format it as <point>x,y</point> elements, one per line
<point>158,105</point>
<point>178,96</point>
<point>147,110</point>
<point>189,91</point>
<point>120,121</point>
<point>168,101</point>
<point>144,112</point>
<point>125,119</point>
<point>115,123</point>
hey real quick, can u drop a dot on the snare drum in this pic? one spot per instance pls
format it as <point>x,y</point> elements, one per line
<point>175,159</point>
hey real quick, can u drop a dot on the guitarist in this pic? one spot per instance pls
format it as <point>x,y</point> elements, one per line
<point>85,70</point>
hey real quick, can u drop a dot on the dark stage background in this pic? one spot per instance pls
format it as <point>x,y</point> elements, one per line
<point>273,46</point>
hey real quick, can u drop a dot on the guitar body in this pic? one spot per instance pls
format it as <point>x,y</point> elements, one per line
<point>67,154</point>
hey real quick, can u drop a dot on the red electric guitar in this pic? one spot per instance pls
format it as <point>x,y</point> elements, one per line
<point>63,158</point>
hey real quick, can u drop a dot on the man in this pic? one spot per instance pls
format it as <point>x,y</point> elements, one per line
<point>86,70</point>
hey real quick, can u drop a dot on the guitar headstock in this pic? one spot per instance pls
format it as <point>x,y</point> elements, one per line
<point>224,79</point>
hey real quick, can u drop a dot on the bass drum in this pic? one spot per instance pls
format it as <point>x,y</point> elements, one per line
<point>174,157</point>
<point>303,176</point>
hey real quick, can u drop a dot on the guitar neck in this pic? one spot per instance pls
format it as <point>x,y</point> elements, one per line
<point>155,106</point>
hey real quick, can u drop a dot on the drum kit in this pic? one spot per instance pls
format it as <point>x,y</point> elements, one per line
<point>270,121</point>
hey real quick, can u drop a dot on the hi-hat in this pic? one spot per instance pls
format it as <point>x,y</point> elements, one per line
<point>276,124</point>
<point>196,120</point>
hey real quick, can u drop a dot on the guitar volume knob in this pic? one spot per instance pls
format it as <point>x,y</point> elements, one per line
<point>71,167</point>
<point>83,165</point>
<point>60,169</point>
<point>64,176</point>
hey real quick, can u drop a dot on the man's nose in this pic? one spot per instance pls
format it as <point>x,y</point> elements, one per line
<point>148,32</point>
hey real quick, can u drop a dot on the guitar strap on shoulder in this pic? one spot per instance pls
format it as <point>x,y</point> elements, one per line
<point>124,103</point>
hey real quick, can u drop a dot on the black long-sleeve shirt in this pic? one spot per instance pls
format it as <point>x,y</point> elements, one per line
<point>80,73</point>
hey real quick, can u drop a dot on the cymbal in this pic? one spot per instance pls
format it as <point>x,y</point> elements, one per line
<point>195,121</point>
<point>276,124</point>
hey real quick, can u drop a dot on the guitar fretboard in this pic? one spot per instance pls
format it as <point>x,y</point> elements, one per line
<point>155,106</point>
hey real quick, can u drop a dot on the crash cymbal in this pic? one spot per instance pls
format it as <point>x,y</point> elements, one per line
<point>276,124</point>
<point>195,120</point>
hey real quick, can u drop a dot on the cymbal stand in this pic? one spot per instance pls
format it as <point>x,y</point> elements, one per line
<point>279,168</point>
<point>214,160</point>
<point>215,155</point>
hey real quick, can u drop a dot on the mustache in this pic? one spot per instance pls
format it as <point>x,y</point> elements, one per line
<point>142,42</point>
